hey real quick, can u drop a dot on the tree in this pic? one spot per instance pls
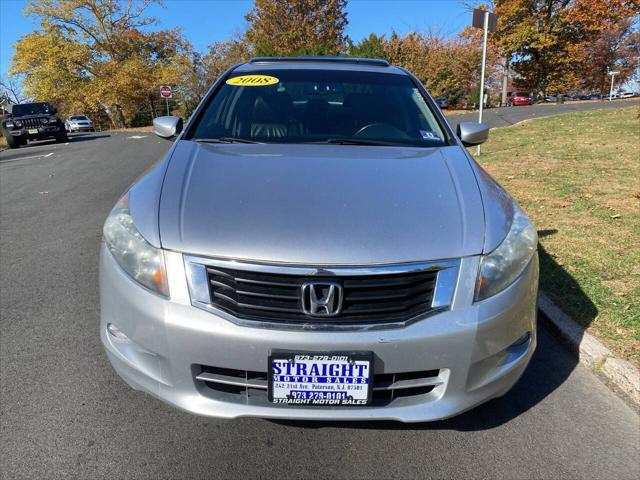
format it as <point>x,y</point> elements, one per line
<point>10,88</point>
<point>544,36</point>
<point>369,47</point>
<point>99,55</point>
<point>297,27</point>
<point>616,48</point>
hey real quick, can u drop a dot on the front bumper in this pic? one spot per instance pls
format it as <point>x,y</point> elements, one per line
<point>81,128</point>
<point>41,134</point>
<point>480,350</point>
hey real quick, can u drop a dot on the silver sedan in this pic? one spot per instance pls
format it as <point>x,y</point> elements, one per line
<point>79,123</point>
<point>319,244</point>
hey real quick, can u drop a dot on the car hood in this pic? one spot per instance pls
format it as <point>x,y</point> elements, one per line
<point>320,204</point>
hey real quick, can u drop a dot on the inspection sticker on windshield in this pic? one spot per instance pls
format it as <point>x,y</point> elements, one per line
<point>426,134</point>
<point>252,81</point>
<point>331,379</point>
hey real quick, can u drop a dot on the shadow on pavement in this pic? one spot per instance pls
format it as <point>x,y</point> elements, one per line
<point>550,366</point>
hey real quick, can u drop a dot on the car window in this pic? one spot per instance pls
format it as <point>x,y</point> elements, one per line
<point>317,106</point>
<point>30,109</point>
<point>78,117</point>
<point>522,94</point>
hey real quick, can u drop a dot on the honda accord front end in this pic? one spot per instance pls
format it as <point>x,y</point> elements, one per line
<point>318,244</point>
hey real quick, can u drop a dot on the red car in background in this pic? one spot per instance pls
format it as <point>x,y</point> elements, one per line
<point>520,98</point>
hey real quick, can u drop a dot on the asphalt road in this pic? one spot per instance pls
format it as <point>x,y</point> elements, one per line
<point>505,116</point>
<point>66,414</point>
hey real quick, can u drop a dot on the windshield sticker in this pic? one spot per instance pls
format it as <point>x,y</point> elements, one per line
<point>427,134</point>
<point>252,81</point>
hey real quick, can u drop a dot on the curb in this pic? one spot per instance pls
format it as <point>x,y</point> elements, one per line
<point>619,375</point>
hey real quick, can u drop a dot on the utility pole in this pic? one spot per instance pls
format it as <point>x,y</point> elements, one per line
<point>613,74</point>
<point>487,21</point>
<point>505,79</point>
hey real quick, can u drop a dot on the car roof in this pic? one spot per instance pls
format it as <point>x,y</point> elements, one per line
<point>319,63</point>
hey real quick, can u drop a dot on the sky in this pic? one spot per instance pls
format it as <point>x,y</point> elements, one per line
<point>206,21</point>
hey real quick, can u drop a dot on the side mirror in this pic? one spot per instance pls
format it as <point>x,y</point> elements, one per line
<point>167,127</point>
<point>53,111</point>
<point>472,133</point>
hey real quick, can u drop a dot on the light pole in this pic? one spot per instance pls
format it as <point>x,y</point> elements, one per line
<point>613,74</point>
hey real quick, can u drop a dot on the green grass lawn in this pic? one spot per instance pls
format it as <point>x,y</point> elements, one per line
<point>578,176</point>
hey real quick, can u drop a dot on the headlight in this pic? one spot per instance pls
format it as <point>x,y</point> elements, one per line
<point>18,124</point>
<point>501,267</point>
<point>141,260</point>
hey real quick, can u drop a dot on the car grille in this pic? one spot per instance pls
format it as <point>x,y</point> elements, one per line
<point>247,387</point>
<point>32,122</point>
<point>278,297</point>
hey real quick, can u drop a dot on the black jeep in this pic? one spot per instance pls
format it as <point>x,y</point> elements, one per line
<point>32,121</point>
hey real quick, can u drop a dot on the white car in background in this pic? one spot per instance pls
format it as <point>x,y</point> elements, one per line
<point>79,123</point>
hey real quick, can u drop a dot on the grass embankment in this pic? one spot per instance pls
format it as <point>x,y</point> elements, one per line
<point>578,176</point>
<point>3,143</point>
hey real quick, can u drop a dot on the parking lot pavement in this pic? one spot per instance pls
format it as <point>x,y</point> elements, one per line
<point>505,116</point>
<point>66,414</point>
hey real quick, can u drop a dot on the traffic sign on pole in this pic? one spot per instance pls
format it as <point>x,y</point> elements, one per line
<point>488,22</point>
<point>166,93</point>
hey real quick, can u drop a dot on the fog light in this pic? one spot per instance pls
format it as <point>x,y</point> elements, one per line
<point>115,332</point>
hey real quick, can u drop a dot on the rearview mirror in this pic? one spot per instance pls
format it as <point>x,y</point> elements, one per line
<point>167,127</point>
<point>472,133</point>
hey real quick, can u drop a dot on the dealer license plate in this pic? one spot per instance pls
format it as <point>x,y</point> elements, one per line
<point>324,379</point>
<point>33,131</point>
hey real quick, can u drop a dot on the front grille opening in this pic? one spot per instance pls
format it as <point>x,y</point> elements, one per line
<point>416,375</point>
<point>224,388</point>
<point>412,392</point>
<point>250,387</point>
<point>278,297</point>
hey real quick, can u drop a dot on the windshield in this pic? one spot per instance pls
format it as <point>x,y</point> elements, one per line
<point>30,109</point>
<point>320,106</point>
<point>78,117</point>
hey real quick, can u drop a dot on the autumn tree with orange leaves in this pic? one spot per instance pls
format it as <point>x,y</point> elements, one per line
<point>551,41</point>
<point>98,56</point>
<point>297,27</point>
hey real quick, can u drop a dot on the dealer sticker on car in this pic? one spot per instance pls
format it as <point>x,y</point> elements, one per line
<point>334,379</point>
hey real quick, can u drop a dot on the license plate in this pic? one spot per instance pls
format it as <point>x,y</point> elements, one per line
<point>33,131</point>
<point>320,379</point>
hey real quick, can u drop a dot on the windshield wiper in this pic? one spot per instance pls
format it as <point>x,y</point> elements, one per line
<point>361,141</point>
<point>224,140</point>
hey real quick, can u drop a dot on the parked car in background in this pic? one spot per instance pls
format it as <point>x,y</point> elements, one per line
<point>520,98</point>
<point>318,243</point>
<point>79,123</point>
<point>442,102</point>
<point>32,121</point>
<point>626,95</point>
<point>595,96</point>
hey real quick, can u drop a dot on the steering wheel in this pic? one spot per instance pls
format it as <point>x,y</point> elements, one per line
<point>380,130</point>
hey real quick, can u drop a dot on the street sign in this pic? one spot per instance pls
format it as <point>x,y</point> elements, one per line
<point>165,91</point>
<point>613,72</point>
<point>487,21</point>
<point>478,20</point>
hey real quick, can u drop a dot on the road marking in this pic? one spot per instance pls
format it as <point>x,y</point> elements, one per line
<point>136,137</point>
<point>26,158</point>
